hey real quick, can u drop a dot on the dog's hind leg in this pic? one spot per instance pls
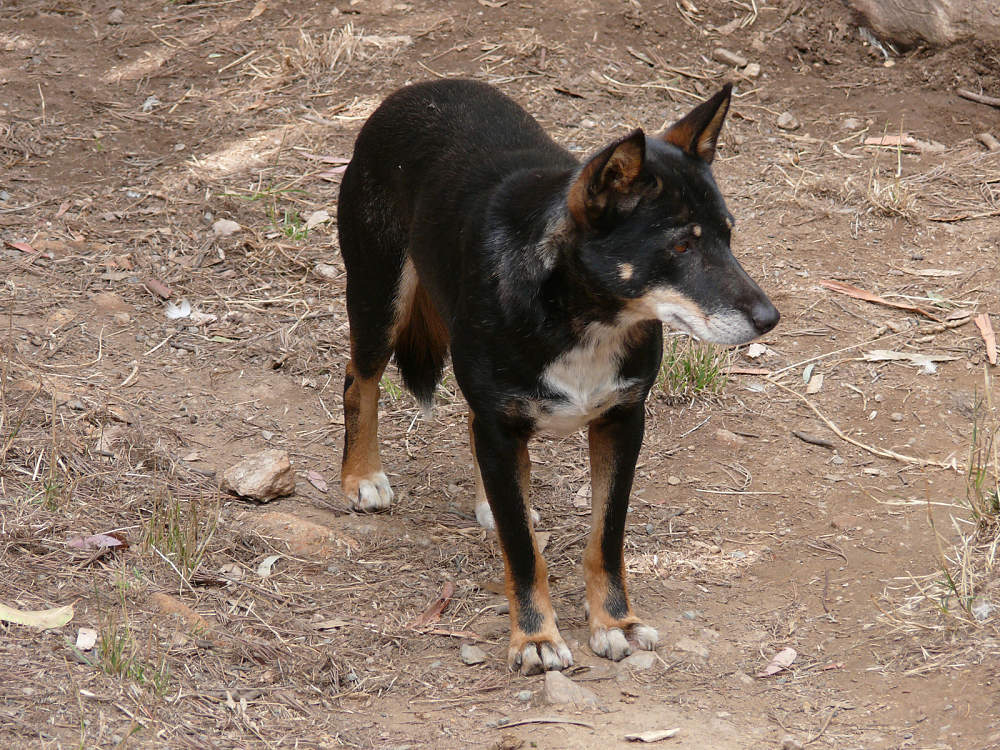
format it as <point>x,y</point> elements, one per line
<point>614,447</point>
<point>380,284</point>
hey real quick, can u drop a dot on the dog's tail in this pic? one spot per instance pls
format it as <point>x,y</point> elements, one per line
<point>421,345</point>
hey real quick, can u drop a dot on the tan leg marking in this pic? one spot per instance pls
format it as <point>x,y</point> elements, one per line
<point>361,477</point>
<point>609,634</point>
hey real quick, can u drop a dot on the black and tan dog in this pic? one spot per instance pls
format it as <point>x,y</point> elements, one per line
<point>463,226</point>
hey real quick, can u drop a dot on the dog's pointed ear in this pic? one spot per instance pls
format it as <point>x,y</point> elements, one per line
<point>698,131</point>
<point>608,180</point>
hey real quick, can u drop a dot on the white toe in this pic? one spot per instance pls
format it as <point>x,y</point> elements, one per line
<point>374,493</point>
<point>645,637</point>
<point>610,643</point>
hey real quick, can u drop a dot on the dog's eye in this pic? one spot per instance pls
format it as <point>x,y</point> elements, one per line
<point>682,247</point>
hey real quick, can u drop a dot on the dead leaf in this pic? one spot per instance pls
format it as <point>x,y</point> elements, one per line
<point>853,291</point>
<point>779,662</point>
<point>492,4</point>
<point>815,383</point>
<point>86,639</point>
<point>158,288</point>
<point>45,619</point>
<point>317,217</point>
<point>333,624</point>
<point>316,480</point>
<point>982,322</point>
<point>98,541</point>
<point>433,612</point>
<point>655,735</point>
<point>259,7</point>
<point>542,538</point>
<point>266,565</point>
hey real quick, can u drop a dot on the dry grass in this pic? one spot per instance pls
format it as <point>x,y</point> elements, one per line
<point>956,608</point>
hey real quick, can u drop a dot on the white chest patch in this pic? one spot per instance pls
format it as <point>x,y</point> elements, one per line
<point>587,378</point>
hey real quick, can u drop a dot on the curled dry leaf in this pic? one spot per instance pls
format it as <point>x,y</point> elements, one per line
<point>266,565</point>
<point>38,618</point>
<point>317,217</point>
<point>316,480</point>
<point>982,322</point>
<point>98,541</point>
<point>655,735</point>
<point>180,310</point>
<point>158,288</point>
<point>434,610</point>
<point>779,662</point>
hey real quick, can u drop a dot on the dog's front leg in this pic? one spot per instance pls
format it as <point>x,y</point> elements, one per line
<point>502,457</point>
<point>614,447</point>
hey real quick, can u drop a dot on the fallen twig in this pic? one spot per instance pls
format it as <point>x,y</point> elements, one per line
<point>853,291</point>
<point>972,96</point>
<point>547,720</point>
<point>982,322</point>
<point>870,448</point>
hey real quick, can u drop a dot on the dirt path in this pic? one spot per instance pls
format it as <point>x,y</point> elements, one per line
<point>126,134</point>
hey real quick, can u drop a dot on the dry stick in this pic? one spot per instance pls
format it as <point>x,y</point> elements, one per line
<point>870,448</point>
<point>548,720</point>
<point>978,98</point>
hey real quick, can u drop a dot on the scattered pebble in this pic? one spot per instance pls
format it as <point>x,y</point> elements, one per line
<point>988,140</point>
<point>116,17</point>
<point>673,481</point>
<point>788,121</point>
<point>790,743</point>
<point>587,123</point>
<point>524,696</point>
<point>560,689</point>
<point>150,104</point>
<point>896,416</point>
<point>639,661</point>
<point>472,655</point>
<point>692,614</point>
<point>225,227</point>
<point>262,476</point>
<point>691,646</point>
<point>729,438</point>
<point>738,554</point>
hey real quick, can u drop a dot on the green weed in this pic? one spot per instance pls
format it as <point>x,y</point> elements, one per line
<point>180,531</point>
<point>692,368</point>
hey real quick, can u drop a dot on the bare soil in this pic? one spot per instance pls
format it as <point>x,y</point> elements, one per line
<point>125,134</point>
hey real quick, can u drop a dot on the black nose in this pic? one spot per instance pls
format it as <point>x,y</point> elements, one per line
<point>765,315</point>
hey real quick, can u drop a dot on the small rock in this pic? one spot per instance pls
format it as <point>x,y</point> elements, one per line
<point>896,416</point>
<point>691,614</point>
<point>587,123</point>
<point>326,271</point>
<point>728,57</point>
<point>225,227</point>
<point>262,476</point>
<point>790,743</point>
<point>787,121</point>
<point>673,481</point>
<point>116,17</point>
<point>4,195</point>
<point>639,661</point>
<point>982,609</point>
<point>852,123</point>
<point>691,646</point>
<point>150,104</point>
<point>472,655</point>
<point>560,689</point>
<point>738,554</point>
<point>729,438</point>
<point>752,70</point>
<point>524,696</point>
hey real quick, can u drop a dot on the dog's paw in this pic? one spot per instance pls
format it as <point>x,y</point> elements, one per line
<point>369,494</point>
<point>485,516</point>
<point>538,657</point>
<point>616,643</point>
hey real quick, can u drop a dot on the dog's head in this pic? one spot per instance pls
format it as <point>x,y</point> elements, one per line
<point>654,231</point>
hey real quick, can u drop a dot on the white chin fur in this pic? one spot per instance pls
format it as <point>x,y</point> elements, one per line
<point>726,328</point>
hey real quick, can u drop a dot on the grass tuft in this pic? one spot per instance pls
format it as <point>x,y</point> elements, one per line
<point>180,531</point>
<point>692,368</point>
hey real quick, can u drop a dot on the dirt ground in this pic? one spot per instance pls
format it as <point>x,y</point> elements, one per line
<point>126,133</point>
